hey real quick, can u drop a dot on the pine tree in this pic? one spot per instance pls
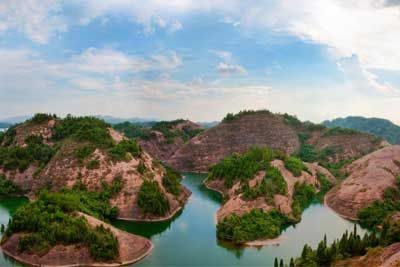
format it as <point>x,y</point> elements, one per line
<point>281,263</point>
<point>291,263</point>
<point>276,262</point>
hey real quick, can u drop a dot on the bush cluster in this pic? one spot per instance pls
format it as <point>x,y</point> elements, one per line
<point>171,181</point>
<point>272,184</point>
<point>120,151</point>
<point>82,129</point>
<point>13,158</point>
<point>376,213</point>
<point>151,200</point>
<point>251,226</point>
<point>8,188</point>
<point>295,166</point>
<point>242,167</point>
<point>304,194</point>
<point>51,220</point>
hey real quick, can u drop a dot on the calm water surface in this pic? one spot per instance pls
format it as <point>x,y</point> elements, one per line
<point>190,239</point>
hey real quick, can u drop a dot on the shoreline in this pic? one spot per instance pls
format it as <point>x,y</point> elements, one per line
<point>265,242</point>
<point>349,218</point>
<point>125,260</point>
<point>162,219</point>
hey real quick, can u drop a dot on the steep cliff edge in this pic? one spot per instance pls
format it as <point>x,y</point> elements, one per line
<point>283,132</point>
<point>265,190</point>
<point>368,179</point>
<point>86,152</point>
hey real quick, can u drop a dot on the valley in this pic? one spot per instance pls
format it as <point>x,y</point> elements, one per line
<point>266,184</point>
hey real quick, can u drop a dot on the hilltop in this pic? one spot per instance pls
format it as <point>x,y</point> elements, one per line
<point>283,132</point>
<point>161,139</point>
<point>376,126</point>
<point>264,191</point>
<point>85,152</point>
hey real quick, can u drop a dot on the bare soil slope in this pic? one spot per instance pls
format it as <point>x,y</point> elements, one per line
<point>263,130</point>
<point>266,129</point>
<point>236,204</point>
<point>369,177</point>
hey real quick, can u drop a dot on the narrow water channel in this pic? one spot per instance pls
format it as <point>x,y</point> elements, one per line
<point>190,240</point>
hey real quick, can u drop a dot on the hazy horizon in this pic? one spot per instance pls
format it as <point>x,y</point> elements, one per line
<point>200,60</point>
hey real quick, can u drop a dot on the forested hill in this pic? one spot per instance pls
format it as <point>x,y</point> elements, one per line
<point>380,127</point>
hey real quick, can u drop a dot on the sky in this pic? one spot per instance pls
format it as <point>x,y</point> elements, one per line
<point>200,59</point>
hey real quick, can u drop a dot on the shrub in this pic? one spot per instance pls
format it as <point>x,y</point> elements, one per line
<point>8,188</point>
<point>302,197</point>
<point>242,167</point>
<point>151,200</point>
<point>251,226</point>
<point>82,129</point>
<point>295,166</point>
<point>119,152</point>
<point>93,164</point>
<point>171,181</point>
<point>49,221</point>
<point>42,117</point>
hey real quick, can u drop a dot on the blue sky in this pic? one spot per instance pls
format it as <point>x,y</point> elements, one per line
<point>200,59</point>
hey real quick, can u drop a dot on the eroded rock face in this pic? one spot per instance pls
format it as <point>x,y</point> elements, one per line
<point>265,129</point>
<point>382,257</point>
<point>132,248</point>
<point>368,179</point>
<point>208,148</point>
<point>236,204</point>
<point>348,146</point>
<point>65,170</point>
<point>159,147</point>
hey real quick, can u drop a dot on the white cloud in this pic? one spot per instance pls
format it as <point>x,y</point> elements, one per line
<point>224,55</point>
<point>39,20</point>
<point>229,69</point>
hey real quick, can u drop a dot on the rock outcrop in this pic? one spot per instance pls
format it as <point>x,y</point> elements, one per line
<point>237,204</point>
<point>162,147</point>
<point>65,169</point>
<point>265,129</point>
<point>368,179</point>
<point>132,248</point>
<point>376,257</point>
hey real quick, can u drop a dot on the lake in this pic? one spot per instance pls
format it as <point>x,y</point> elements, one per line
<point>189,239</point>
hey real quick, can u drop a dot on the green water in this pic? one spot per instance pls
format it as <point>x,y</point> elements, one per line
<point>190,240</point>
<point>7,209</point>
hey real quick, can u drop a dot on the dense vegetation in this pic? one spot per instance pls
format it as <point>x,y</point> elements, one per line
<point>251,226</point>
<point>42,117</point>
<point>339,131</point>
<point>273,183</point>
<point>151,200</point>
<point>303,196</point>
<point>133,130</point>
<point>376,213</point>
<point>19,158</point>
<point>349,245</point>
<point>230,116</point>
<point>51,220</point>
<point>295,166</point>
<point>242,167</point>
<point>83,129</point>
<point>171,181</point>
<point>8,188</point>
<point>379,127</point>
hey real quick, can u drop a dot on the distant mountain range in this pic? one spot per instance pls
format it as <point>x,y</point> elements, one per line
<point>379,127</point>
<point>7,122</point>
